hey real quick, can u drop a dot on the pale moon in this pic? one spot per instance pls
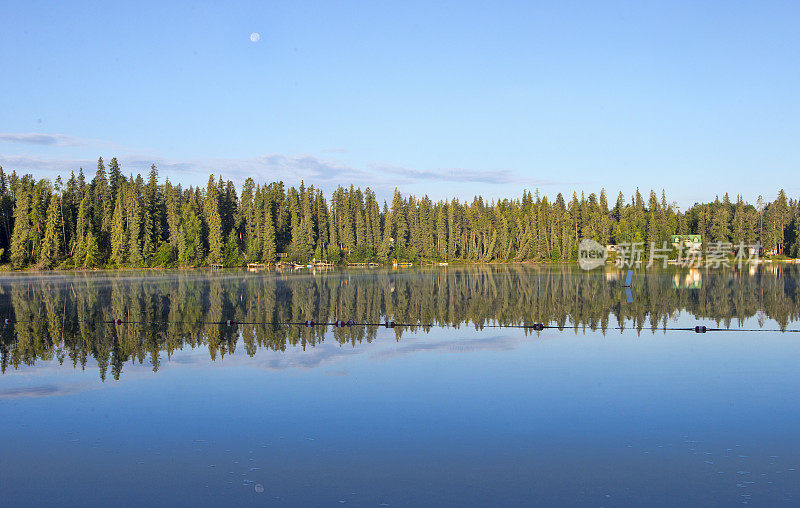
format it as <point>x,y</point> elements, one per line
<point>255,36</point>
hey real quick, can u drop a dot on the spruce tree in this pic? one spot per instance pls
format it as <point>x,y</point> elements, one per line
<point>82,229</point>
<point>385,248</point>
<point>152,215</point>
<point>441,230</point>
<point>268,237</point>
<point>92,258</point>
<point>22,226</point>
<point>172,195</point>
<point>103,207</point>
<point>399,222</point>
<point>373,217</point>
<point>119,240</point>
<point>232,255</point>
<point>347,233</point>
<point>453,228</point>
<point>133,220</point>
<point>51,245</point>
<point>115,177</point>
<point>323,222</point>
<point>246,217</point>
<point>192,251</point>
<point>213,222</point>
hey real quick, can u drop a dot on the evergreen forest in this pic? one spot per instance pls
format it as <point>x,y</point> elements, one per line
<point>115,220</point>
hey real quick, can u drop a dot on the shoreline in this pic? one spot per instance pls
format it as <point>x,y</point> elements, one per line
<point>7,268</point>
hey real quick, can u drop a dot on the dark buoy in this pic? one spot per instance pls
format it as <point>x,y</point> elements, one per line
<point>389,324</point>
<point>700,329</point>
<point>118,322</point>
<point>7,321</point>
<point>229,323</point>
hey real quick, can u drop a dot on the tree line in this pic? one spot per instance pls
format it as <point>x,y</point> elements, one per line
<point>68,318</point>
<point>115,221</point>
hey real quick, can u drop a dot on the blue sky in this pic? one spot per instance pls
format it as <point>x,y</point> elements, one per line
<point>437,98</point>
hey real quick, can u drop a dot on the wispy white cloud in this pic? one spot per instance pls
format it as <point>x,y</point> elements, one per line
<point>28,164</point>
<point>307,167</point>
<point>499,176</point>
<point>493,343</point>
<point>324,172</point>
<point>38,138</point>
<point>270,166</point>
<point>310,358</point>
<point>47,390</point>
<point>261,168</point>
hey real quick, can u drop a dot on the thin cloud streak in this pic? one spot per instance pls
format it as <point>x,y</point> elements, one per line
<point>25,164</point>
<point>496,343</point>
<point>325,173</point>
<point>38,138</point>
<point>48,390</point>
<point>501,176</point>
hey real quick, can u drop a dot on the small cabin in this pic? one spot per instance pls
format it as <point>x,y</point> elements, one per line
<point>691,242</point>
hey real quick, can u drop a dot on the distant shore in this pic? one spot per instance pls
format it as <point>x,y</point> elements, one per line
<point>9,268</point>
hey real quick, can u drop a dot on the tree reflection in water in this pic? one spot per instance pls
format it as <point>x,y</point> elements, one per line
<point>67,316</point>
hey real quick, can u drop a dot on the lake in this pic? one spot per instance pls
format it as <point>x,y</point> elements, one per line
<point>459,404</point>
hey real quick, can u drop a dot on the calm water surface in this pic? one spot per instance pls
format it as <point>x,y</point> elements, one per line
<point>169,409</point>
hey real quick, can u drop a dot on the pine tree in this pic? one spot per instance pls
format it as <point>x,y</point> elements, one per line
<point>441,230</point>
<point>268,235</point>
<point>190,247</point>
<point>82,230</point>
<point>720,228</point>
<point>385,248</point>
<point>739,221</point>
<point>232,254</point>
<point>213,222</point>
<point>245,219</point>
<point>51,245</point>
<point>255,226</point>
<point>323,222</point>
<point>781,217</point>
<point>360,218</point>
<point>653,222</point>
<point>373,220</point>
<point>119,240</point>
<point>399,221</point>
<point>453,229</point>
<point>92,258</point>
<point>229,209</point>
<point>133,218</point>
<point>347,222</point>
<point>22,226</point>
<point>172,197</point>
<point>334,225</point>
<point>307,226</point>
<point>103,207</point>
<point>152,215</point>
<point>115,177</point>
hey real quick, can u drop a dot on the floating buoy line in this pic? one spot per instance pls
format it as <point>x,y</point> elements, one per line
<point>538,327</point>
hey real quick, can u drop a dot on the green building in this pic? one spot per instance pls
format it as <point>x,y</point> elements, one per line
<point>690,241</point>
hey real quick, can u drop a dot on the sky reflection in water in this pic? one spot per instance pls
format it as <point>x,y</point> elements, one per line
<point>438,416</point>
